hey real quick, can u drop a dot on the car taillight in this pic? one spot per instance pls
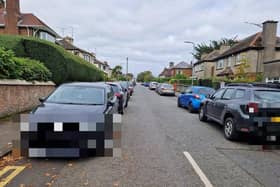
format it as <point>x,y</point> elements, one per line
<point>252,108</point>
<point>196,96</point>
<point>118,95</point>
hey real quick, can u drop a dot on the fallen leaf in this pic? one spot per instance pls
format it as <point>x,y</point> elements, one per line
<point>70,164</point>
<point>117,183</point>
<point>47,174</point>
<point>48,184</point>
<point>22,185</point>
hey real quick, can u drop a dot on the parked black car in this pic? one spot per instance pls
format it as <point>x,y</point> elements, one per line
<point>250,108</point>
<point>73,121</point>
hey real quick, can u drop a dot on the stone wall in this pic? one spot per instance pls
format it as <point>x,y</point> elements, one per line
<point>17,96</point>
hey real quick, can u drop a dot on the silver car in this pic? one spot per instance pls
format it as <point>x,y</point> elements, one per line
<point>153,85</point>
<point>166,89</point>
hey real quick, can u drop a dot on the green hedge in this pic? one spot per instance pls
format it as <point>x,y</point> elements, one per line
<point>64,66</point>
<point>12,67</point>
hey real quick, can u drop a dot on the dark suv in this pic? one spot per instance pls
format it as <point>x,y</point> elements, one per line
<point>251,108</point>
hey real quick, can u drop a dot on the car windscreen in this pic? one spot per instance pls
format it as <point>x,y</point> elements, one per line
<point>116,89</point>
<point>206,91</point>
<point>267,95</point>
<point>77,95</point>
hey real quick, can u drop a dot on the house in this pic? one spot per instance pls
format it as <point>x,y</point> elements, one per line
<point>260,51</point>
<point>13,22</point>
<point>67,44</point>
<point>181,68</point>
<point>204,68</point>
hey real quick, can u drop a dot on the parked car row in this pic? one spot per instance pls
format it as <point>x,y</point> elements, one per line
<point>240,108</point>
<point>161,88</point>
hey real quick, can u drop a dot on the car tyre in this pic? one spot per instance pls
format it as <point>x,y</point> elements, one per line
<point>201,114</point>
<point>230,131</point>
<point>190,108</point>
<point>178,103</point>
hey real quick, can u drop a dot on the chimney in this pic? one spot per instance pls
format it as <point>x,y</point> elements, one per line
<point>171,64</point>
<point>269,35</point>
<point>12,17</point>
<point>69,39</point>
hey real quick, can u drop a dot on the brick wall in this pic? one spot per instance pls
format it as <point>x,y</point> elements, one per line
<point>17,96</point>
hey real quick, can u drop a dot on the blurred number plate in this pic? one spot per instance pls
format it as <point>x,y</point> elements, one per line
<point>275,119</point>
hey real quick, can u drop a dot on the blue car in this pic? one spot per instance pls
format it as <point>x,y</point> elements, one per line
<point>193,96</point>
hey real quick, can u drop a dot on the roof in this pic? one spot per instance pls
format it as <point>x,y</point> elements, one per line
<point>209,57</point>
<point>252,42</point>
<point>182,65</point>
<point>166,72</point>
<point>30,20</point>
<point>68,46</point>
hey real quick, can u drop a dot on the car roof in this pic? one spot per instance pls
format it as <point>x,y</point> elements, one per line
<point>253,88</point>
<point>198,87</point>
<point>88,84</point>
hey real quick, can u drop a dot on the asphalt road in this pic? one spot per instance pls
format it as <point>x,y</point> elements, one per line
<point>155,135</point>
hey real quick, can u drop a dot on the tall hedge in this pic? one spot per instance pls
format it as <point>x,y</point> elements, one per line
<point>64,66</point>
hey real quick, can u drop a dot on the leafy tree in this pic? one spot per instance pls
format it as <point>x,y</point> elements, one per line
<point>145,76</point>
<point>117,72</point>
<point>241,69</point>
<point>213,45</point>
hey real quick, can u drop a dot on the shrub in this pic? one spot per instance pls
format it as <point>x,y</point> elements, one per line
<point>64,66</point>
<point>31,70</point>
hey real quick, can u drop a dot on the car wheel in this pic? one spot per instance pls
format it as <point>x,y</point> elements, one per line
<point>201,114</point>
<point>178,103</point>
<point>190,108</point>
<point>230,132</point>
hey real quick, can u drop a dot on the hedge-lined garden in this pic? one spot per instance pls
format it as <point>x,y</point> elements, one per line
<point>12,67</point>
<point>63,66</point>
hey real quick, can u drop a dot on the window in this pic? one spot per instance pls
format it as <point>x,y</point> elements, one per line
<point>228,94</point>
<point>220,64</point>
<point>273,80</point>
<point>87,57</point>
<point>229,62</point>
<point>178,72</point>
<point>239,94</point>
<point>46,36</point>
<point>239,59</point>
<point>218,94</point>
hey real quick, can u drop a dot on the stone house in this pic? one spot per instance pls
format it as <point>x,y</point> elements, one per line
<point>204,68</point>
<point>260,51</point>
<point>13,22</point>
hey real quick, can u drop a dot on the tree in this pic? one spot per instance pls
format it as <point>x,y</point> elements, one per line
<point>241,70</point>
<point>145,76</point>
<point>130,76</point>
<point>117,72</point>
<point>213,45</point>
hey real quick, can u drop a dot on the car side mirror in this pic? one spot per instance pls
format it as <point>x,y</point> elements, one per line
<point>42,99</point>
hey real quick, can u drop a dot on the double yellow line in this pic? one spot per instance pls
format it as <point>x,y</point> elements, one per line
<point>16,171</point>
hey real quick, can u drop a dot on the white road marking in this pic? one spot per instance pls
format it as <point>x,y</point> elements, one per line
<point>198,171</point>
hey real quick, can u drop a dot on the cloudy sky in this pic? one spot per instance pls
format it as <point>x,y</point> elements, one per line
<point>150,32</point>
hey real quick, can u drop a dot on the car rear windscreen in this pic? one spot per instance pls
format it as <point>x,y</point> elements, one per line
<point>267,95</point>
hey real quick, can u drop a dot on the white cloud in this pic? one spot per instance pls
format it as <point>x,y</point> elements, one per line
<point>150,33</point>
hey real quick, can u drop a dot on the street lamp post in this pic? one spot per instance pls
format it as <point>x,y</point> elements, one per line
<point>127,68</point>
<point>190,42</point>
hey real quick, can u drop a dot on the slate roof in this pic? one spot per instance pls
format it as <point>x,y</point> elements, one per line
<point>182,65</point>
<point>252,42</point>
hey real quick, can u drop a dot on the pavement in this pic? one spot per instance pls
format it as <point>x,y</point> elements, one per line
<point>162,145</point>
<point>9,131</point>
